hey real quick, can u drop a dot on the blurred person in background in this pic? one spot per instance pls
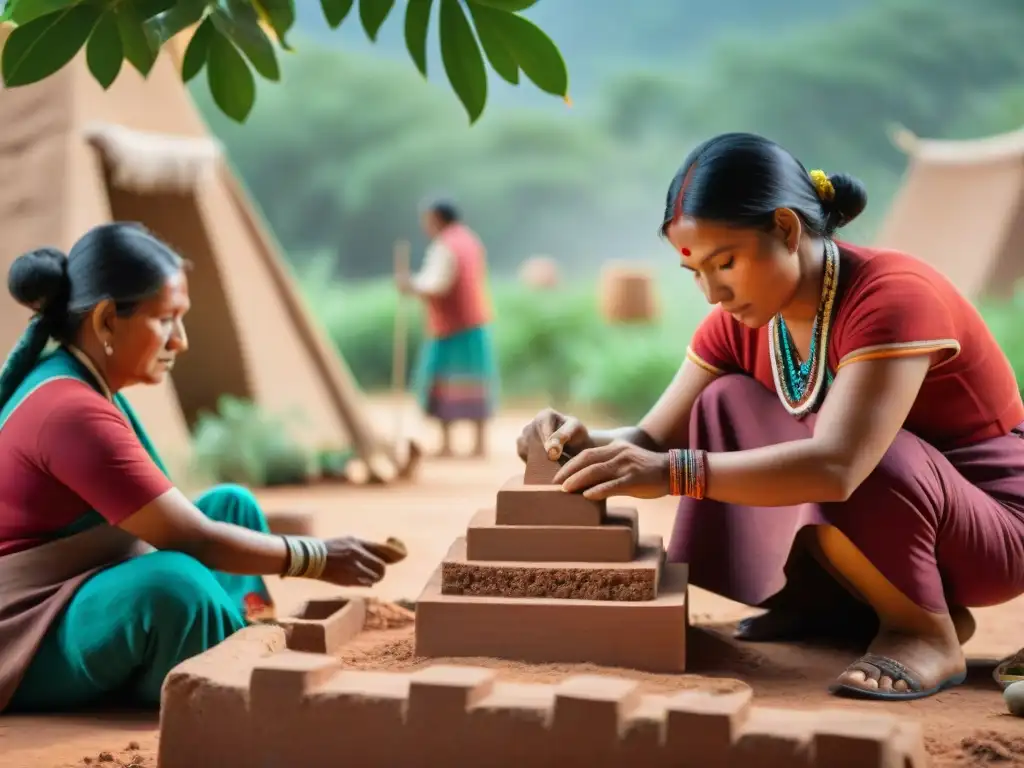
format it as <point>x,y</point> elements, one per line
<point>457,377</point>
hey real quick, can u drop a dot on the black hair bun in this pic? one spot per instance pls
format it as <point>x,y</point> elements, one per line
<point>39,280</point>
<point>850,200</point>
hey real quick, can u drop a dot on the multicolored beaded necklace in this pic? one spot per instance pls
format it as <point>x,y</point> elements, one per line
<point>801,384</point>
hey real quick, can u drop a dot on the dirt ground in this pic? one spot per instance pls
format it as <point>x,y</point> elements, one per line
<point>967,726</point>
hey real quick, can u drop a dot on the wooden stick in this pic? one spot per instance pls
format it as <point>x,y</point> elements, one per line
<point>399,348</point>
<point>401,340</point>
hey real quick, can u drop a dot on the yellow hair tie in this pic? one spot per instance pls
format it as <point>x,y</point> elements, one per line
<point>823,185</point>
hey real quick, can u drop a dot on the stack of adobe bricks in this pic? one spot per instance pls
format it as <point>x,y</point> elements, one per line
<point>251,702</point>
<point>550,576</point>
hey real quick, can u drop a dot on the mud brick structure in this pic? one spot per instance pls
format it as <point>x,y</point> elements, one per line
<point>548,576</point>
<point>324,625</point>
<point>252,702</point>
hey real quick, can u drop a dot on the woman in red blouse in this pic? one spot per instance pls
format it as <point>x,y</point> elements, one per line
<point>109,575</point>
<point>841,410</point>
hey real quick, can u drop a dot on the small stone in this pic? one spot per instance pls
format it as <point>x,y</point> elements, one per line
<point>106,757</point>
<point>133,746</point>
<point>1014,698</point>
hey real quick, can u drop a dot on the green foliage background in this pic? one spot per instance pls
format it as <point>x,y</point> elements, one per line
<point>341,156</point>
<point>343,151</point>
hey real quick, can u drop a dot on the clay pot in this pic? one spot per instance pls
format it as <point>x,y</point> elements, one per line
<point>539,273</point>
<point>628,294</point>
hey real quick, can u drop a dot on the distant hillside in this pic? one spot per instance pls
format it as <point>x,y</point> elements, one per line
<point>600,38</point>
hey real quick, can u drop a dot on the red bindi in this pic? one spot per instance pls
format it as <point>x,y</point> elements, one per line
<point>684,251</point>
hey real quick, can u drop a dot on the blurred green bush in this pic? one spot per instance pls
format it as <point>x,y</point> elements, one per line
<point>554,346</point>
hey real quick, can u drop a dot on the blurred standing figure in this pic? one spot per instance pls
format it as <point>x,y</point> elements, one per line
<point>457,377</point>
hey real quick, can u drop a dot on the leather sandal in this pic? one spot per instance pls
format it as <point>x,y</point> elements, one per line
<point>875,667</point>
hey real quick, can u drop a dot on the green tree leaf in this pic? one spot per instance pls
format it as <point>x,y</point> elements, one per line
<point>372,14</point>
<point>231,82</point>
<point>279,15</point>
<point>505,5</point>
<point>104,52</point>
<point>182,15</point>
<point>534,51</point>
<point>335,11</point>
<point>140,41</point>
<point>150,8</point>
<point>24,11</point>
<point>242,25</point>
<point>41,47</point>
<point>488,28</point>
<point>417,23</point>
<point>198,50</point>
<point>462,60</point>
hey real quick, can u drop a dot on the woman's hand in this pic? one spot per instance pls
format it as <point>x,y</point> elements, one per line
<point>556,431</point>
<point>616,469</point>
<point>353,562</point>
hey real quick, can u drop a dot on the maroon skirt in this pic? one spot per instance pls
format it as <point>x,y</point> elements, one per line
<point>946,528</point>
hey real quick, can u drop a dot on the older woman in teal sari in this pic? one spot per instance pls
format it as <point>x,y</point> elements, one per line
<point>109,575</point>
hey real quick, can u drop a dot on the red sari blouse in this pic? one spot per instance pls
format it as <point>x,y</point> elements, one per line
<point>890,304</point>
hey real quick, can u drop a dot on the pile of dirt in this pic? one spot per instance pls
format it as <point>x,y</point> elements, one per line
<point>129,757</point>
<point>381,614</point>
<point>982,748</point>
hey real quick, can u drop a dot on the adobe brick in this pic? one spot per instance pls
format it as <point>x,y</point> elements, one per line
<point>643,735</point>
<point>437,715</point>
<point>521,504</point>
<point>636,580</point>
<point>204,707</point>
<point>325,625</point>
<point>515,718</point>
<point>846,739</point>
<point>614,541</point>
<point>589,716</point>
<point>910,744</point>
<point>283,523</point>
<point>539,470</point>
<point>552,630</point>
<point>447,690</point>
<point>776,738</point>
<point>288,676</point>
<point>702,726</point>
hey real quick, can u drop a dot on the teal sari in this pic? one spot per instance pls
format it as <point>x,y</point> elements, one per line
<point>130,623</point>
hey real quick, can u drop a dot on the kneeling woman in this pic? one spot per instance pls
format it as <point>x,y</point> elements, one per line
<point>109,575</point>
<point>844,398</point>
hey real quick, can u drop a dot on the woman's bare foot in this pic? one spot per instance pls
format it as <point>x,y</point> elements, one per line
<point>900,665</point>
<point>963,622</point>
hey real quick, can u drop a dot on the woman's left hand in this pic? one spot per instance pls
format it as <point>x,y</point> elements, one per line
<point>616,469</point>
